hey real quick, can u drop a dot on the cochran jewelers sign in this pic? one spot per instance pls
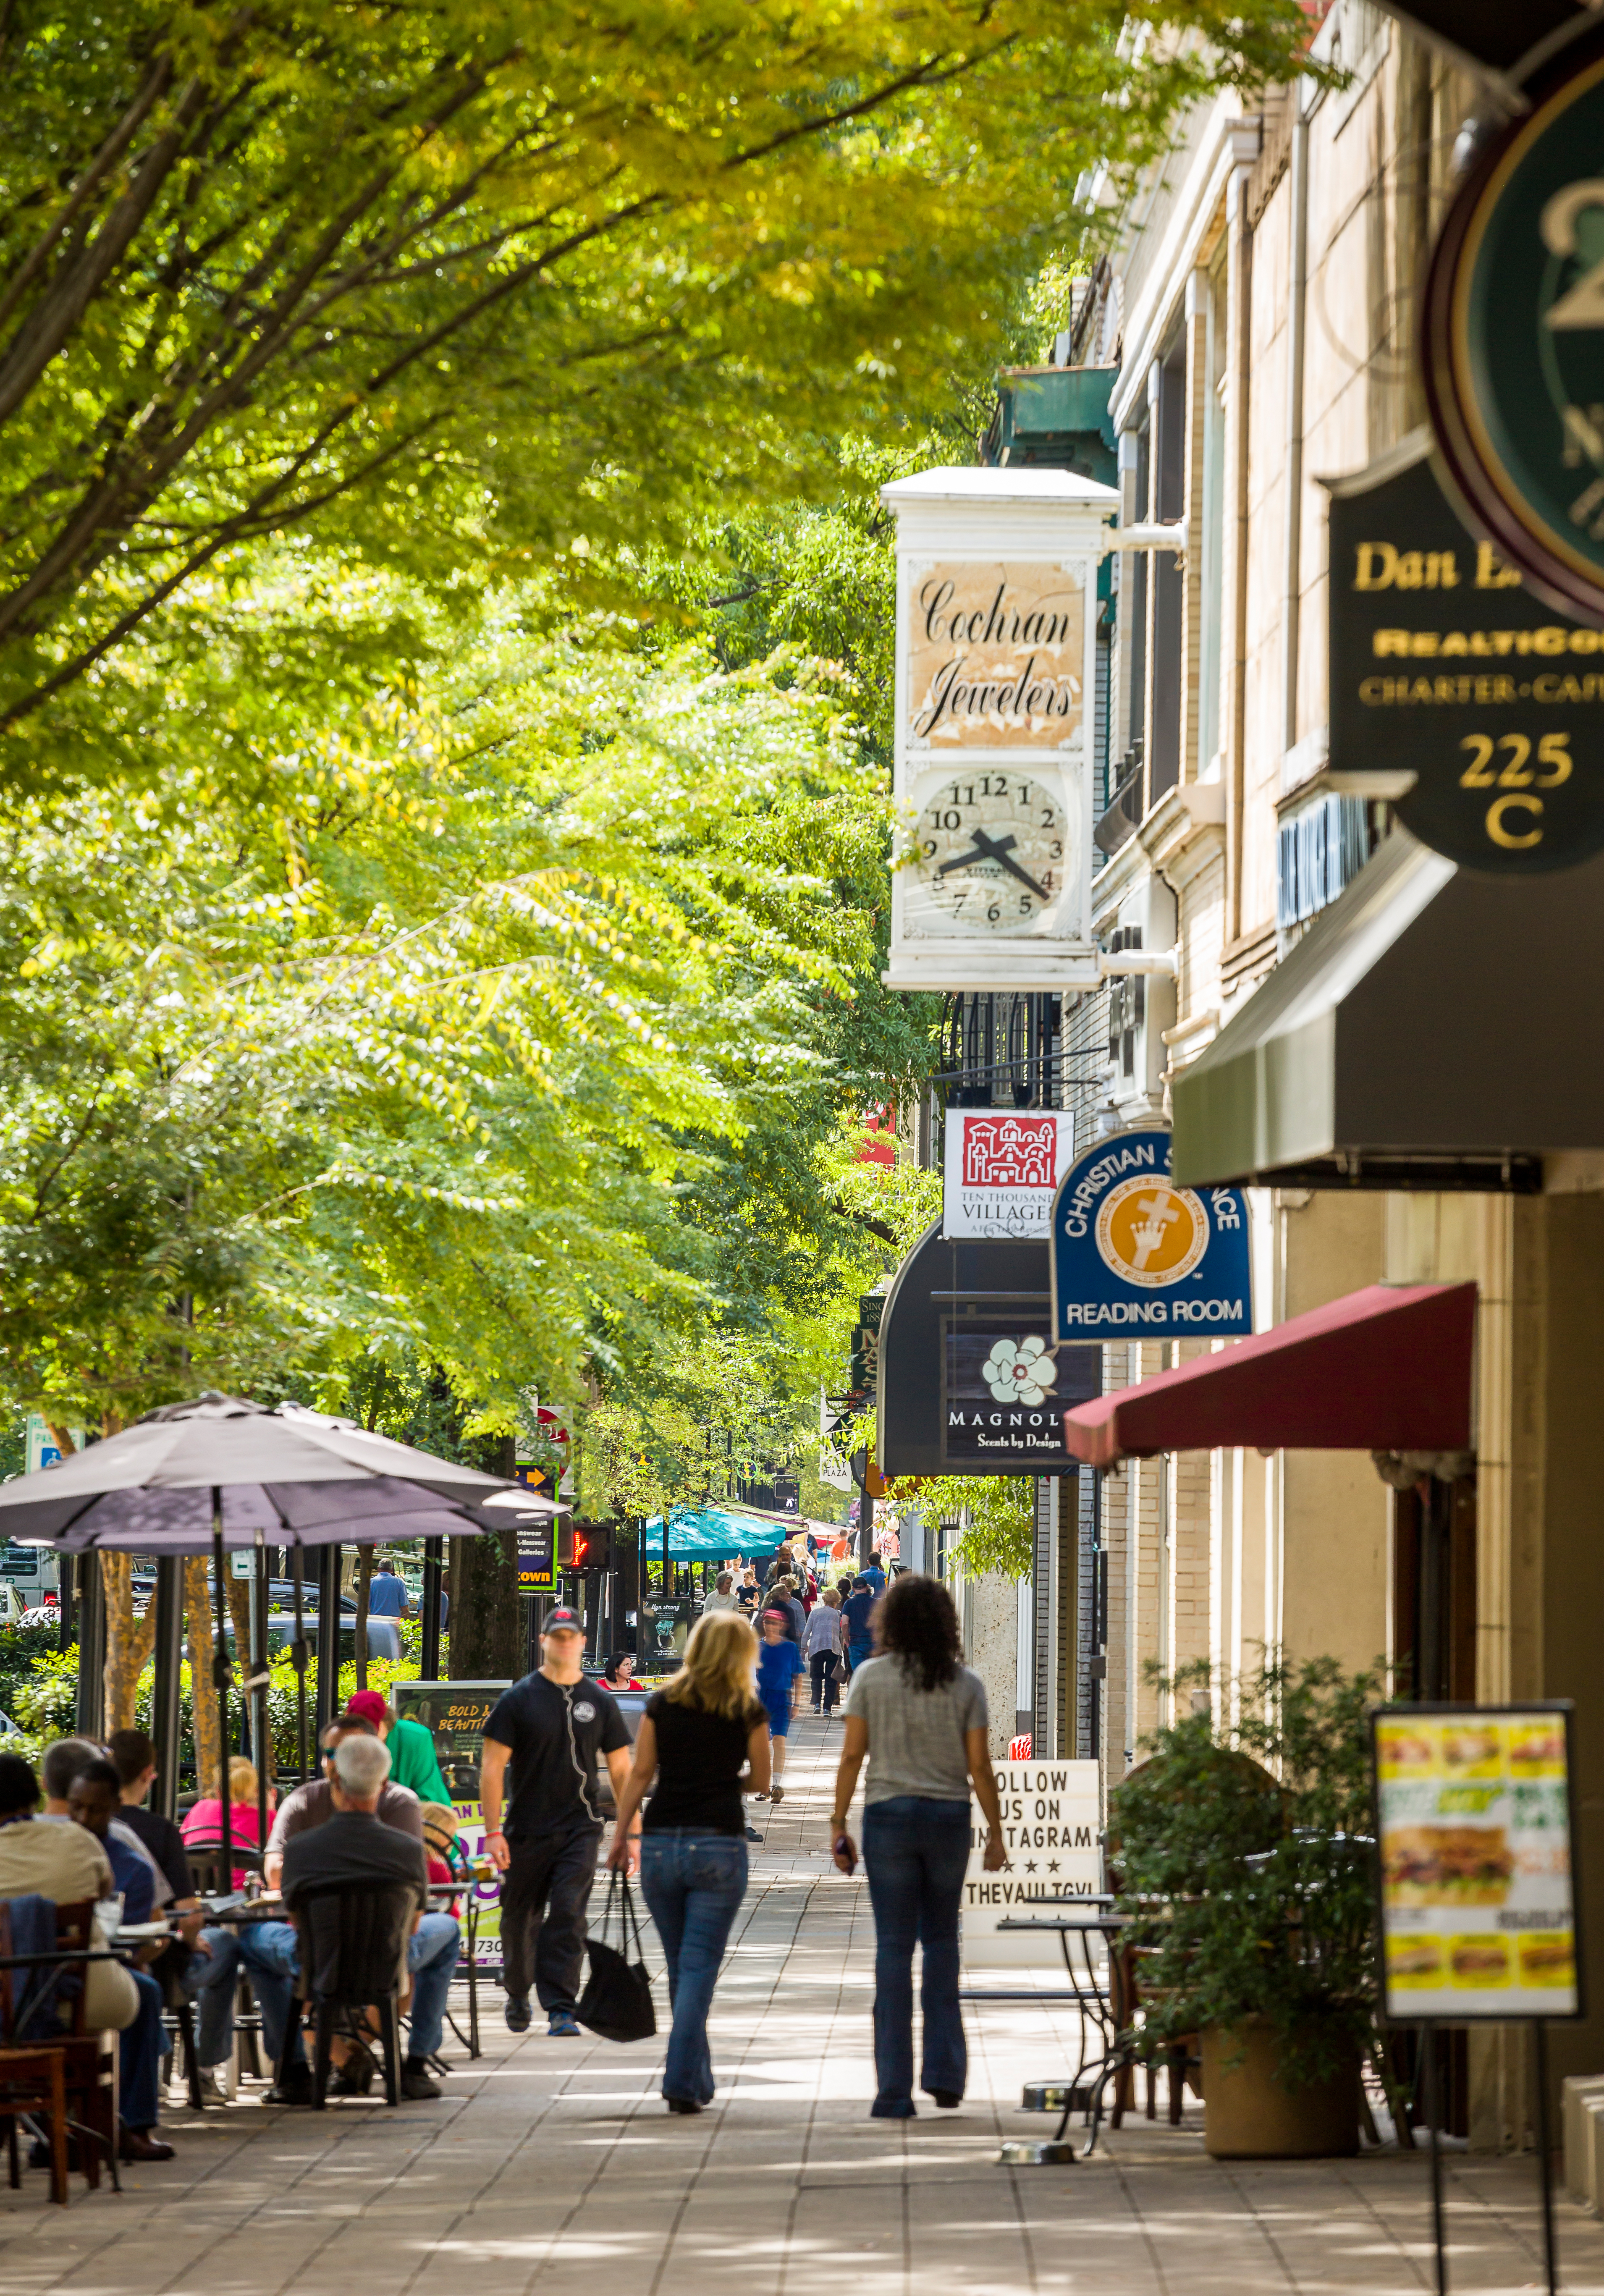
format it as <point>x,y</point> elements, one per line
<point>1133,1256</point>
<point>996,658</point>
<point>1474,1820</point>
<point>1515,334</point>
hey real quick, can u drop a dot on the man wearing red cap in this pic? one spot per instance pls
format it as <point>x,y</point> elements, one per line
<point>551,1726</point>
<point>413,1762</point>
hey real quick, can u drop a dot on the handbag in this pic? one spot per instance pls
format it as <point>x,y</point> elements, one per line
<point>616,2001</point>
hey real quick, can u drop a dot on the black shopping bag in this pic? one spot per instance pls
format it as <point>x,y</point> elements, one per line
<point>616,2000</point>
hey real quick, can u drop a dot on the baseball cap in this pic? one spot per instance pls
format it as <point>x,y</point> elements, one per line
<point>368,1705</point>
<point>562,1621</point>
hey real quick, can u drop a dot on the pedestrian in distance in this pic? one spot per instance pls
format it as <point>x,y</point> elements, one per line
<point>698,1735</point>
<point>919,1714</point>
<point>782,1596</point>
<point>723,1597</point>
<point>550,1727</point>
<point>779,1666</point>
<point>857,1615</point>
<point>822,1648</point>
<point>876,1577</point>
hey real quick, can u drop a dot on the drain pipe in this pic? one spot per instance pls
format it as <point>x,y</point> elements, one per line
<point>1296,313</point>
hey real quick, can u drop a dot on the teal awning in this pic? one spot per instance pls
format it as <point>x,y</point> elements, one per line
<point>713,1535</point>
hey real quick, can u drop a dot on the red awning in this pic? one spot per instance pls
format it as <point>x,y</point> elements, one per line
<point>1386,1369</point>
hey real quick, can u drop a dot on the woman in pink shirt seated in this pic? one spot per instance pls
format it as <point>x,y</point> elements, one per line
<point>204,1822</point>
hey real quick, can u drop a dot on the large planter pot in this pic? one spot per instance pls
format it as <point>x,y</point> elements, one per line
<point>1250,2114</point>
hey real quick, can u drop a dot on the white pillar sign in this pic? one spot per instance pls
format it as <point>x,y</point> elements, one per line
<point>1051,1820</point>
<point>996,611</point>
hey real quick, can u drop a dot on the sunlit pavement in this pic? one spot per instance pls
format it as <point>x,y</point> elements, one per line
<point>552,2166</point>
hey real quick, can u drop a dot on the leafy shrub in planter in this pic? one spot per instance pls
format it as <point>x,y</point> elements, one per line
<point>1244,1847</point>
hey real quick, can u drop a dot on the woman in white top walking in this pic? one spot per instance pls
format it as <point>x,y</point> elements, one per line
<point>822,1648</point>
<point>919,1714</point>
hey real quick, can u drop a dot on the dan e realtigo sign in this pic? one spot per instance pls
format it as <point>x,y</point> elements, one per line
<point>995,672</point>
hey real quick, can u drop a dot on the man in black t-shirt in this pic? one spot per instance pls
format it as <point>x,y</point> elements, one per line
<point>550,1726</point>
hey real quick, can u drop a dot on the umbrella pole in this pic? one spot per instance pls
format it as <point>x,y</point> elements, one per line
<point>220,1674</point>
<point>299,1648</point>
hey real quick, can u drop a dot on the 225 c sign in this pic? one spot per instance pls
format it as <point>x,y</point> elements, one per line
<point>1515,818</point>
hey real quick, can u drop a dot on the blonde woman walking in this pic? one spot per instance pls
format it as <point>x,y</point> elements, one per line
<point>698,1736</point>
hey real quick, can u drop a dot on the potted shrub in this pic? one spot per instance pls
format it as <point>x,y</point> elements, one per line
<point>1243,1848</point>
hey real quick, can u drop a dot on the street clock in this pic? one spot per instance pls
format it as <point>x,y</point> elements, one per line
<point>996,611</point>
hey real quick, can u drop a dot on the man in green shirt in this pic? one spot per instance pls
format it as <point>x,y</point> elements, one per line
<point>411,1748</point>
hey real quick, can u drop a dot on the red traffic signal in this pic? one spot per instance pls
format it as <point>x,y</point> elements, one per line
<point>584,1546</point>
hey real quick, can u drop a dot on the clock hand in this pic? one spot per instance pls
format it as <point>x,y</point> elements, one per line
<point>983,849</point>
<point>999,849</point>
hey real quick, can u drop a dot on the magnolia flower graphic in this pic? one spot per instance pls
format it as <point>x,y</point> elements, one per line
<point>1021,1374</point>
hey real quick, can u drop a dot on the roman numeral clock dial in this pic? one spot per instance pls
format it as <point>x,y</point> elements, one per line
<point>988,853</point>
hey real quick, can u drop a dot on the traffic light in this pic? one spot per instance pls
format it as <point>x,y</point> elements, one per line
<point>585,1546</point>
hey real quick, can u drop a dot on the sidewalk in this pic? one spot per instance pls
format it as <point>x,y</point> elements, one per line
<point>552,2166</point>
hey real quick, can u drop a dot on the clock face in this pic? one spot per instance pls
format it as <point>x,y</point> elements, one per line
<point>989,854</point>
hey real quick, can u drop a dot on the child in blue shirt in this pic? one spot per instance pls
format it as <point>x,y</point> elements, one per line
<point>779,1663</point>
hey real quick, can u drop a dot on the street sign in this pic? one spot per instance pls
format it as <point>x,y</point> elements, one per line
<point>1134,1256</point>
<point>1484,711</point>
<point>538,1557</point>
<point>1000,1168</point>
<point>41,1449</point>
<point>1474,1822</point>
<point>1515,334</point>
<point>996,668</point>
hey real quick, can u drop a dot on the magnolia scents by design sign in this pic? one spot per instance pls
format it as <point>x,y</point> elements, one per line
<point>995,663</point>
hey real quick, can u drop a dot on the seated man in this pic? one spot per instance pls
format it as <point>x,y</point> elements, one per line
<point>63,1762</point>
<point>93,1803</point>
<point>413,1762</point>
<point>268,1950</point>
<point>67,1865</point>
<point>355,1845</point>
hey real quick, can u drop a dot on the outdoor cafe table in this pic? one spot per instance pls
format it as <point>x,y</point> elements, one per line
<point>236,1911</point>
<point>1093,2074</point>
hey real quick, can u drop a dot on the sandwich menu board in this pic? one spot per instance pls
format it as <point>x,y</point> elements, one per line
<point>1474,1826</point>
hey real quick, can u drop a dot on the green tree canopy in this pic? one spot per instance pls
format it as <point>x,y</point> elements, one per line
<point>471,282</point>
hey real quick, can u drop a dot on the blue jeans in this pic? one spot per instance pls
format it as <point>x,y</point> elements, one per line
<point>915,1852</point>
<point>139,2053</point>
<point>269,1953</point>
<point>692,1883</point>
<point>858,1648</point>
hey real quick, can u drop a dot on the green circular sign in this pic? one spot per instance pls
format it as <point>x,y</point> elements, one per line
<point>1515,336</point>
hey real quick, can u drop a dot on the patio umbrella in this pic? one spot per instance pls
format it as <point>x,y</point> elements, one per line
<point>220,1473</point>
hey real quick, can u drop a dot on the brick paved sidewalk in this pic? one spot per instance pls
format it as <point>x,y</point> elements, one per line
<point>552,2166</point>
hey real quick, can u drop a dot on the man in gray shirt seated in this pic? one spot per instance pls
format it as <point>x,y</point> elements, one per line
<point>355,1845</point>
<point>269,1951</point>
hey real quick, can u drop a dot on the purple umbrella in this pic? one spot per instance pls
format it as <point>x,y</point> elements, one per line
<point>221,1472</point>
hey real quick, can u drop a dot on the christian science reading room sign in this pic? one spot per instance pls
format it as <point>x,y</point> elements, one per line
<point>1448,673</point>
<point>1135,1257</point>
<point>995,668</point>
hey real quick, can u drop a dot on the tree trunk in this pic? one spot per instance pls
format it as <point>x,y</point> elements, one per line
<point>364,1579</point>
<point>129,1641</point>
<point>203,1646</point>
<point>487,1638</point>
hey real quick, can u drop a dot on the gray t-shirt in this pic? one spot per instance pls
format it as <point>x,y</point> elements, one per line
<point>916,1736</point>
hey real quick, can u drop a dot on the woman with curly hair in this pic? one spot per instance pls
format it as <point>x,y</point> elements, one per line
<point>919,1714</point>
<point>703,1736</point>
